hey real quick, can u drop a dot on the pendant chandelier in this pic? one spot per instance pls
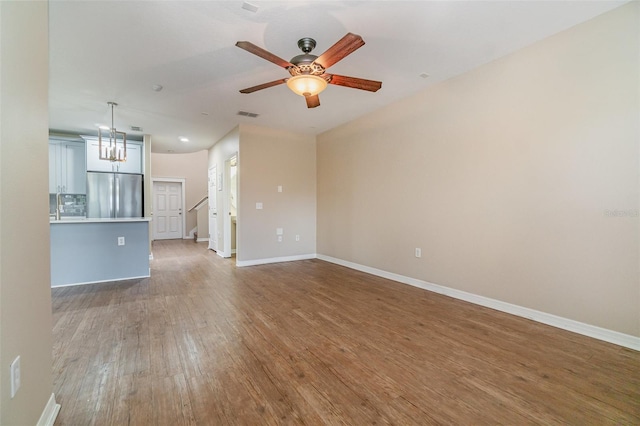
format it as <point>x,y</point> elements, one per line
<point>115,149</point>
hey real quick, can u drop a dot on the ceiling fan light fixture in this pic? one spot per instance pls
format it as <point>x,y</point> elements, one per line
<point>306,84</point>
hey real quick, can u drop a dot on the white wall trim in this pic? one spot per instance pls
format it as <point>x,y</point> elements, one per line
<point>191,234</point>
<point>202,240</point>
<point>599,333</point>
<point>242,263</point>
<point>104,281</point>
<point>50,412</point>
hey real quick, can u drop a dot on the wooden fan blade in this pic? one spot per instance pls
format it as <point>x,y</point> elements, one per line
<point>345,46</point>
<point>259,51</point>
<point>355,83</point>
<point>263,86</point>
<point>312,101</point>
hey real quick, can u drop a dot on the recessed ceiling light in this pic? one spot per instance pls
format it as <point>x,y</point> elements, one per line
<point>424,75</point>
<point>183,139</point>
<point>157,87</point>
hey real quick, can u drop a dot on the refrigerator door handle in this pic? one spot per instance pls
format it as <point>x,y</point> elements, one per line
<point>110,199</point>
<point>117,197</point>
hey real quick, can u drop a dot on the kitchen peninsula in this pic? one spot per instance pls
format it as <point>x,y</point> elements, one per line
<point>96,208</point>
<point>87,251</point>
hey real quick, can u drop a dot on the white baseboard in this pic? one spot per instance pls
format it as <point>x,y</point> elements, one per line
<point>242,263</point>
<point>150,256</point>
<point>190,235</point>
<point>103,281</point>
<point>599,333</point>
<point>202,240</point>
<point>50,412</point>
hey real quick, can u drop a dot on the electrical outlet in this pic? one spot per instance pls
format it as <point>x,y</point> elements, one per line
<point>258,206</point>
<point>418,252</point>
<point>120,241</point>
<point>279,238</point>
<point>279,188</point>
<point>297,237</point>
<point>15,376</point>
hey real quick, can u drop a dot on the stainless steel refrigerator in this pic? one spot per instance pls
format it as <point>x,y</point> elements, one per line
<point>114,195</point>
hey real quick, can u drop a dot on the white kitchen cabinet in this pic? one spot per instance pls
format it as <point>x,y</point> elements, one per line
<point>67,169</point>
<point>132,165</point>
<point>94,163</point>
<point>54,166</point>
<point>134,159</point>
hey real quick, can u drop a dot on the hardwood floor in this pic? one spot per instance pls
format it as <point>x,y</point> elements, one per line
<point>308,342</point>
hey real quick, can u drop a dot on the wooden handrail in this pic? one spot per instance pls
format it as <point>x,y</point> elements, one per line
<point>199,203</point>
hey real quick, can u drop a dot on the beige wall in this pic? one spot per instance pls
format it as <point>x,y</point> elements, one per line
<point>203,221</point>
<point>269,158</point>
<point>506,177</point>
<point>25,293</point>
<point>148,205</point>
<point>191,167</point>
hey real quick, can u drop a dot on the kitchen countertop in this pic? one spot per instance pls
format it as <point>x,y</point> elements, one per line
<point>99,220</point>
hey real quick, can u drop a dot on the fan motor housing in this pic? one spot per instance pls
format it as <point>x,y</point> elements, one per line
<point>305,63</point>
<point>305,58</point>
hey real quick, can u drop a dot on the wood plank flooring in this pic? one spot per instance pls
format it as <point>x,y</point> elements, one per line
<point>202,342</point>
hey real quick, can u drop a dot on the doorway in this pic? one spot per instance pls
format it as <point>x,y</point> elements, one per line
<point>168,207</point>
<point>213,208</point>
<point>230,205</point>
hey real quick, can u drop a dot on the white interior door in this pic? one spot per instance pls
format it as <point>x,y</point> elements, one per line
<point>213,209</point>
<point>167,210</point>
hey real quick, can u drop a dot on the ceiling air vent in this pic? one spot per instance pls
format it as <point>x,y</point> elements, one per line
<point>248,114</point>
<point>136,129</point>
<point>250,7</point>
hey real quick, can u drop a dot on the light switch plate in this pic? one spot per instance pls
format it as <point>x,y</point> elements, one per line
<point>279,231</point>
<point>279,188</point>
<point>258,206</point>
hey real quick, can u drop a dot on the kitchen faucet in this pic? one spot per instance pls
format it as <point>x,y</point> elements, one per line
<point>58,206</point>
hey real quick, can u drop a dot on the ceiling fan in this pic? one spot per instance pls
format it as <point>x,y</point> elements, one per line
<point>308,72</point>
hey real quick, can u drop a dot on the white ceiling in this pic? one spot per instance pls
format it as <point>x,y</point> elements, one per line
<point>104,51</point>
